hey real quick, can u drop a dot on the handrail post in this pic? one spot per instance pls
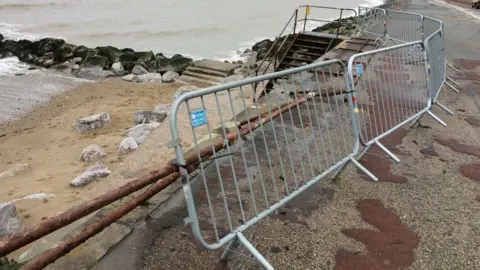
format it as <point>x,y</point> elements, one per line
<point>307,12</point>
<point>339,22</point>
<point>295,22</point>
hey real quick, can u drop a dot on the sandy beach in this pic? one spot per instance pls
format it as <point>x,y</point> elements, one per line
<point>45,139</point>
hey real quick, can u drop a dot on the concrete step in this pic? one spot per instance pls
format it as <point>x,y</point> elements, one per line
<point>209,72</point>
<point>204,77</point>
<point>217,66</point>
<point>192,80</point>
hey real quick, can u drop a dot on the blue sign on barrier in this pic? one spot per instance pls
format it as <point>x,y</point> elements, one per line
<point>359,70</point>
<point>198,117</point>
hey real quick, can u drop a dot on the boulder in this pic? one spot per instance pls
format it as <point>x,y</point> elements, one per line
<point>15,170</point>
<point>111,53</point>
<point>91,153</point>
<point>94,73</point>
<point>163,109</point>
<point>117,67</point>
<point>47,45</point>
<point>146,59</point>
<point>127,145</point>
<point>4,53</point>
<point>162,62</point>
<point>27,57</point>
<point>65,52</point>
<point>139,70</point>
<point>10,222</point>
<point>80,51</point>
<point>149,78</point>
<point>184,89</point>
<point>170,76</point>
<point>145,117</point>
<point>92,122</point>
<point>77,60</point>
<point>140,132</point>
<point>177,63</point>
<point>180,63</point>
<point>130,78</point>
<point>93,173</point>
<point>45,61</point>
<point>95,61</point>
<point>262,46</point>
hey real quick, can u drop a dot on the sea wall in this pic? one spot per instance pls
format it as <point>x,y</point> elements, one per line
<point>57,54</point>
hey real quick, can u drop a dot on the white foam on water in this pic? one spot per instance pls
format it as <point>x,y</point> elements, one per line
<point>14,32</point>
<point>12,66</point>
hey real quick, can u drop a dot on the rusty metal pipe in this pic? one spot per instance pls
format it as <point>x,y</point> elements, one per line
<point>54,254</point>
<point>63,219</point>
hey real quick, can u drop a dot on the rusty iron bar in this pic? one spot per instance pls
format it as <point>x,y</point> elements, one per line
<point>63,219</point>
<point>52,224</point>
<point>54,254</point>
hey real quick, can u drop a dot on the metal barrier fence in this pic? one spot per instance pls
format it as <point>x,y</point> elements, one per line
<point>437,61</point>
<point>306,132</point>
<point>404,26</point>
<point>392,91</point>
<point>370,21</point>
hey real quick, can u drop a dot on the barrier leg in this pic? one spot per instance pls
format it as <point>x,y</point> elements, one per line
<point>452,87</point>
<point>453,81</point>
<point>436,118</point>
<point>444,108</point>
<point>254,251</point>
<point>228,250</point>
<point>452,67</point>
<point>384,149</point>
<point>364,170</point>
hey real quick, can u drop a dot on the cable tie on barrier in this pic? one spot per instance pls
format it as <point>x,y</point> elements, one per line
<point>349,92</point>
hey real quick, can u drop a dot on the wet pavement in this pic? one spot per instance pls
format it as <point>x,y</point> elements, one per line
<point>423,214</point>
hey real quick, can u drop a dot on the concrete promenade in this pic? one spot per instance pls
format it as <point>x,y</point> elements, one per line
<point>423,214</point>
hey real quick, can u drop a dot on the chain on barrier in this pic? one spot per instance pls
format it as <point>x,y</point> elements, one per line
<point>310,133</point>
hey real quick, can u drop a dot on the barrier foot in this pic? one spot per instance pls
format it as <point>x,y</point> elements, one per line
<point>388,152</point>
<point>228,250</point>
<point>436,118</point>
<point>452,87</point>
<point>452,67</point>
<point>444,108</point>
<point>453,81</point>
<point>364,170</point>
<point>339,171</point>
<point>254,251</point>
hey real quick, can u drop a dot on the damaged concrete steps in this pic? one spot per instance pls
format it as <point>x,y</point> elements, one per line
<point>210,71</point>
<point>308,47</point>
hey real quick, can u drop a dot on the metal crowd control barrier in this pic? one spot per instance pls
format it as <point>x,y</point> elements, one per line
<point>404,26</point>
<point>392,91</point>
<point>437,61</point>
<point>300,139</point>
<point>372,22</point>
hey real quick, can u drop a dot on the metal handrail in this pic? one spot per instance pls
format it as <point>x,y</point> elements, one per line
<point>294,18</point>
<point>296,21</point>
